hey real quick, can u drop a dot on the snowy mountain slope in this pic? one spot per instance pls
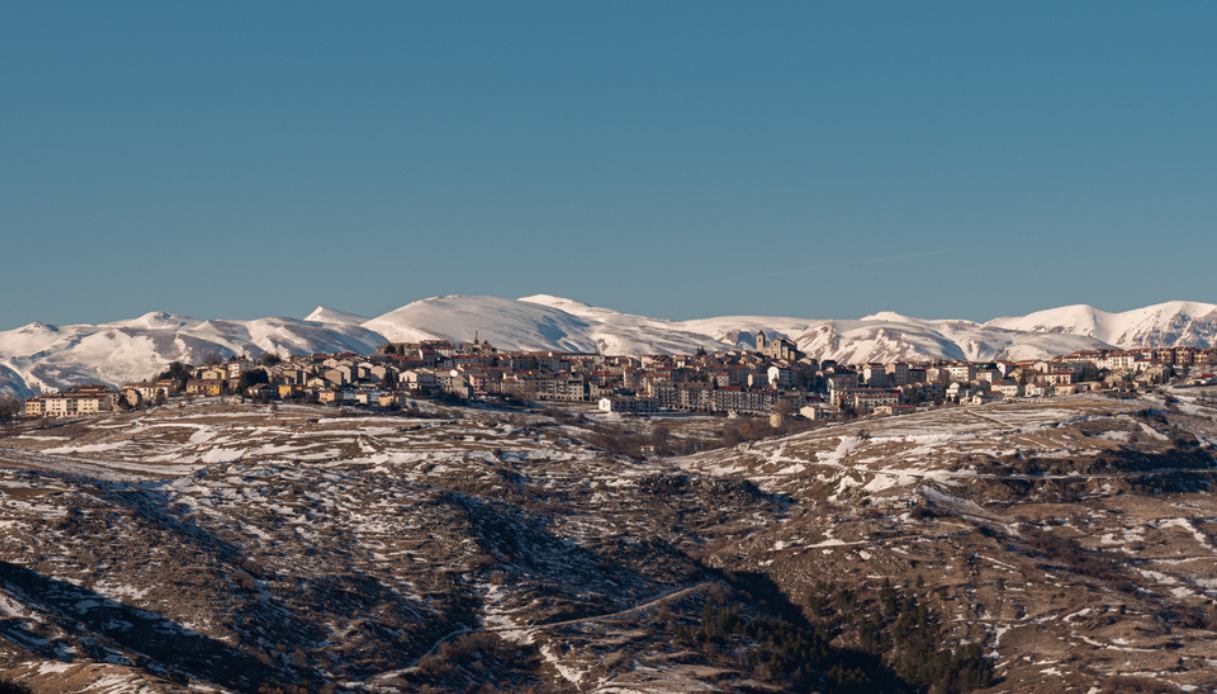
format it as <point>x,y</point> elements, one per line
<point>52,357</point>
<point>325,314</point>
<point>39,355</point>
<point>548,322</point>
<point>887,337</point>
<point>11,383</point>
<point>1173,323</point>
<point>505,323</point>
<point>741,330</point>
<point>625,333</point>
<point>540,322</point>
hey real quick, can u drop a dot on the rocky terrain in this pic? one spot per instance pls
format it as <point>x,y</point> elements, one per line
<point>1063,546</point>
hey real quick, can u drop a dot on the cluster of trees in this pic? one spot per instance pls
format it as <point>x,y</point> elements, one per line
<point>10,687</point>
<point>10,407</point>
<point>252,377</point>
<point>900,642</point>
<point>742,429</point>
<point>177,372</point>
<point>774,649</point>
<point>479,657</point>
<point>906,633</point>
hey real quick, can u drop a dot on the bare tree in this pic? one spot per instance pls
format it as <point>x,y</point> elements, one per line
<point>661,439</point>
<point>10,407</point>
<point>731,434</point>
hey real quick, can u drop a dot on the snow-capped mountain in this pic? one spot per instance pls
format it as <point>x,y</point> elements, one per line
<point>51,357</point>
<point>1170,324</point>
<point>324,314</point>
<point>506,323</point>
<point>42,356</point>
<point>880,337</point>
<point>614,332</point>
<point>887,337</point>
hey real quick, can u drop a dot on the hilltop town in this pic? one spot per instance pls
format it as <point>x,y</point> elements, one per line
<point>775,379</point>
<point>574,348</point>
<point>750,518</point>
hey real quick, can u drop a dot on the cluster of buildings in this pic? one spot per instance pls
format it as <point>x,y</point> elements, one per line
<point>779,379</point>
<point>78,402</point>
<point>892,388</point>
<point>773,379</point>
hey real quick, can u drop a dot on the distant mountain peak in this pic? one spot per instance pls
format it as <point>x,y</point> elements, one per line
<point>38,326</point>
<point>891,317</point>
<point>1192,309</point>
<point>552,300</point>
<point>154,320</point>
<point>324,314</point>
<point>1182,323</point>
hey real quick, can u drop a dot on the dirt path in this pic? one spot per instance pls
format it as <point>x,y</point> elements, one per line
<point>992,419</point>
<point>675,594</point>
<point>22,458</point>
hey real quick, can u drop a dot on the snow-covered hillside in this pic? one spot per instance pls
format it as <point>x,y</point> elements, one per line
<point>881,337</point>
<point>45,356</point>
<point>891,337</point>
<point>52,357</point>
<point>324,314</point>
<point>505,323</point>
<point>624,333</point>
<point>1174,323</point>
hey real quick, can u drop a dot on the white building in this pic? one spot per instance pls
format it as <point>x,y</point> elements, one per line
<point>418,379</point>
<point>780,377</point>
<point>625,405</point>
<point>961,373</point>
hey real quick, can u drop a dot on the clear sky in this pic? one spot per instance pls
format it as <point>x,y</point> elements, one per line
<point>678,159</point>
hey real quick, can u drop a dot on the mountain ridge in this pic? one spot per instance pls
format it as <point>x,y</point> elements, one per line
<point>1170,323</point>
<point>47,356</point>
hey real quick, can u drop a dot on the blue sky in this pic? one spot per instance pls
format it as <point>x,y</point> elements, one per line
<point>678,159</point>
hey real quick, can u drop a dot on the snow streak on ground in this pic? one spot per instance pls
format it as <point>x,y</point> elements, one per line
<point>1073,538</point>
